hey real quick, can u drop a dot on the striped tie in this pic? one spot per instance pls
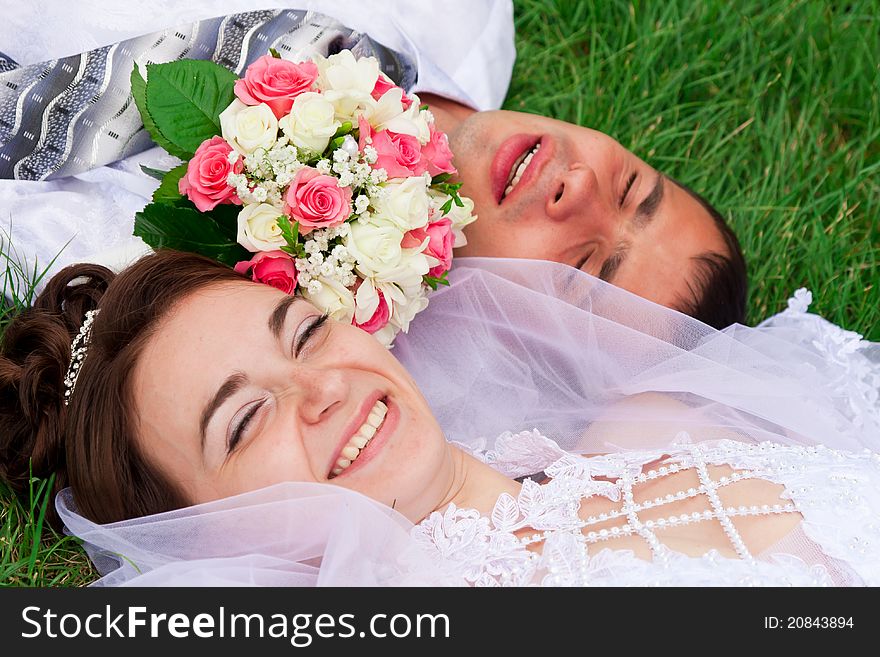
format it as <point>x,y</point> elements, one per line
<point>69,115</point>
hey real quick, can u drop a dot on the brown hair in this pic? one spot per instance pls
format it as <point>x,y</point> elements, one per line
<point>90,445</point>
<point>720,286</point>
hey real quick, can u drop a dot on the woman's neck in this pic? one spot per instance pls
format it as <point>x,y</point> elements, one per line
<point>475,485</point>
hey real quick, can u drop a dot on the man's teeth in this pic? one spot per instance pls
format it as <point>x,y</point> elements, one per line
<point>520,170</point>
<point>360,439</point>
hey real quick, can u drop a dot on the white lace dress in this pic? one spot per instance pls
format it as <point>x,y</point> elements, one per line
<point>545,536</point>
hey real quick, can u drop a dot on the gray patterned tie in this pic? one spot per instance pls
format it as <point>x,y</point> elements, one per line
<point>69,115</point>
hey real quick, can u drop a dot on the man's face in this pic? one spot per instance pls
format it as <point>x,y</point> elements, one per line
<point>581,199</point>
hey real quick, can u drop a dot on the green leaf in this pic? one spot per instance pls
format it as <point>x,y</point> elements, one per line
<point>423,107</point>
<point>446,207</point>
<point>334,144</point>
<point>187,229</point>
<point>433,282</point>
<point>343,130</point>
<point>274,53</point>
<point>440,178</point>
<point>168,192</point>
<point>158,174</point>
<point>185,99</point>
<point>139,92</point>
<point>290,233</point>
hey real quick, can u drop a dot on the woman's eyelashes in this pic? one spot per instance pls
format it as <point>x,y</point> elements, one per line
<point>306,331</point>
<point>240,427</point>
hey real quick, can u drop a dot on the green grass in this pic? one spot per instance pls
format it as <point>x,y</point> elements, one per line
<point>770,109</point>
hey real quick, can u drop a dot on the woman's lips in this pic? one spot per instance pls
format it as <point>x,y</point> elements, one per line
<point>385,430</point>
<point>505,157</point>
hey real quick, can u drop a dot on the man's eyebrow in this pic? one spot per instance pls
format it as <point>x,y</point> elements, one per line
<point>279,314</point>
<point>610,266</point>
<point>230,386</point>
<point>648,207</point>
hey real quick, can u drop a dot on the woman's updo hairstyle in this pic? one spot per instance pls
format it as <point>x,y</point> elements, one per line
<point>90,445</point>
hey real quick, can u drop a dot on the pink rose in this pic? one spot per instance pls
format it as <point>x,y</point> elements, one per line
<point>379,319</point>
<point>400,155</point>
<point>439,246</point>
<point>383,85</point>
<point>316,200</point>
<point>436,153</point>
<point>275,268</point>
<point>204,182</point>
<point>275,82</point>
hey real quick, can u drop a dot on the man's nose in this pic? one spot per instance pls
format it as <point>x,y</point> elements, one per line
<point>574,194</point>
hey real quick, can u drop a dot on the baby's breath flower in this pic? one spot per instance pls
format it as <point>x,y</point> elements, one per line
<point>361,203</point>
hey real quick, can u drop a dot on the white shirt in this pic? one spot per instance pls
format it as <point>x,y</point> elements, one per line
<point>463,50</point>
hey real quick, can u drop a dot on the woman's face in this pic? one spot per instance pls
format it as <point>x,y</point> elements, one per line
<point>243,386</point>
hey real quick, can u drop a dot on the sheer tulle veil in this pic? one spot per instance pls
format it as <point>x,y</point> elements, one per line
<point>510,346</point>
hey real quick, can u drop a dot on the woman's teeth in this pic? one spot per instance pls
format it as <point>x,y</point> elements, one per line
<point>360,439</point>
<point>520,170</point>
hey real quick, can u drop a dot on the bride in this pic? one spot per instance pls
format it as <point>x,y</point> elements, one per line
<point>209,430</point>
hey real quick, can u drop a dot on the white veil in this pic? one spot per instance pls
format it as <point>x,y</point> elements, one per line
<point>513,345</point>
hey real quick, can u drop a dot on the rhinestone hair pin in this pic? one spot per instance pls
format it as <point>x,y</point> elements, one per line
<point>78,349</point>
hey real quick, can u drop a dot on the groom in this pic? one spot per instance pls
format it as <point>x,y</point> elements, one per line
<point>551,190</point>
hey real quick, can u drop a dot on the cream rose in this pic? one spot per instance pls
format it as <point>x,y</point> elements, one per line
<point>408,122</point>
<point>334,299</point>
<point>376,248</point>
<point>343,71</point>
<point>258,228</point>
<point>249,127</point>
<point>311,122</point>
<point>460,216</point>
<point>404,204</point>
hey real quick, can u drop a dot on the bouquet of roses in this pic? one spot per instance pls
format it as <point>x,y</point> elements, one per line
<point>320,177</point>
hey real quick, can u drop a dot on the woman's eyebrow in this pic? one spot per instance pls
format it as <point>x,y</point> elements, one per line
<point>279,314</point>
<point>230,386</point>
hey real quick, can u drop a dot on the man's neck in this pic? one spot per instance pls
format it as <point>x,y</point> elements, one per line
<point>448,114</point>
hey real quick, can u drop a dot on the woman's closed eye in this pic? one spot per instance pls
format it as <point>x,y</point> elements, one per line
<point>305,332</point>
<point>240,425</point>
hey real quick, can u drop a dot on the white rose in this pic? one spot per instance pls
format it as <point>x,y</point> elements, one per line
<point>376,248</point>
<point>404,204</point>
<point>349,104</point>
<point>405,277</point>
<point>388,107</point>
<point>386,334</point>
<point>258,228</point>
<point>334,299</point>
<point>311,122</point>
<point>249,127</point>
<point>366,300</point>
<point>404,313</point>
<point>461,217</point>
<point>344,72</point>
<point>408,122</point>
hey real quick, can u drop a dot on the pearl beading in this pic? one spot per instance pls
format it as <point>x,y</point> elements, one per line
<point>78,350</point>
<point>635,525</point>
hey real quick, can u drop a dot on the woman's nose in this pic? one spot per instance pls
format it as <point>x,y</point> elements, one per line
<point>323,394</point>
